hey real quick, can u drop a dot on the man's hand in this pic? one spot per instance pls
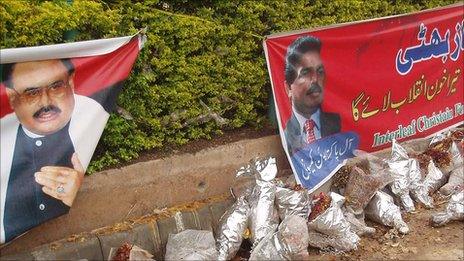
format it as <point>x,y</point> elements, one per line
<point>61,182</point>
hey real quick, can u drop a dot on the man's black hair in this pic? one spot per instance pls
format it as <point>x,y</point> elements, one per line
<point>295,52</point>
<point>7,71</point>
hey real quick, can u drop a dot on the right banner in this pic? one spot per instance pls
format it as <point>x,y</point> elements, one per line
<point>361,85</point>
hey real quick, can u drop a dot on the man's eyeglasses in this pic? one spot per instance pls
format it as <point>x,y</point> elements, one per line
<point>56,90</point>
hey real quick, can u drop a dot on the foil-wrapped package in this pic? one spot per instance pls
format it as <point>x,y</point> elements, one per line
<point>332,222</point>
<point>332,244</point>
<point>233,225</point>
<point>263,217</point>
<point>357,223</point>
<point>290,242</point>
<point>191,245</point>
<point>433,179</point>
<point>456,177</point>
<point>456,156</point>
<point>361,187</point>
<point>455,180</point>
<point>292,202</point>
<point>438,137</point>
<point>444,150</point>
<point>406,174</point>
<point>383,210</point>
<point>454,210</point>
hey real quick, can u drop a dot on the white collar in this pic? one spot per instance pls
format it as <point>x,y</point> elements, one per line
<point>302,119</point>
<point>30,134</point>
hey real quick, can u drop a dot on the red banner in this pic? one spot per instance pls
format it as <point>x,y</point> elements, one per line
<point>397,77</point>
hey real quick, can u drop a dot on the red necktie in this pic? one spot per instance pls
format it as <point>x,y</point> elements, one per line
<point>309,127</point>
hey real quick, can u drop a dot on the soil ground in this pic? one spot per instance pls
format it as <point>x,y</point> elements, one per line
<point>424,242</point>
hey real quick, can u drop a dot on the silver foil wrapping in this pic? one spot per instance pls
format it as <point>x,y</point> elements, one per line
<point>290,242</point>
<point>383,210</point>
<point>333,223</point>
<point>191,245</point>
<point>233,225</point>
<point>455,180</point>
<point>263,217</point>
<point>357,223</point>
<point>456,156</point>
<point>434,179</point>
<point>454,210</point>
<point>406,174</point>
<point>438,137</point>
<point>290,202</point>
<point>328,243</point>
<point>456,176</point>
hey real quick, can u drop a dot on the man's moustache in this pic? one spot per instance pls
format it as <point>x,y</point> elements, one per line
<point>314,88</point>
<point>50,108</point>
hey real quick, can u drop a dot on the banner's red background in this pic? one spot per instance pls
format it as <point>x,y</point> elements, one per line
<point>361,57</point>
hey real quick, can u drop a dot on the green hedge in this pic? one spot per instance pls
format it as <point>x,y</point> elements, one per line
<point>203,68</point>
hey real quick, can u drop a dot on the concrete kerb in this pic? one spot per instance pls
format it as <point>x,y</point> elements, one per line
<point>151,235</point>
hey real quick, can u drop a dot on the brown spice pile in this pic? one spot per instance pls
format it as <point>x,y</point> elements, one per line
<point>322,203</point>
<point>341,177</point>
<point>439,152</point>
<point>123,252</point>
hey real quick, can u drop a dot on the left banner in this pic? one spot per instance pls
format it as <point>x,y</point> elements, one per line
<point>55,102</point>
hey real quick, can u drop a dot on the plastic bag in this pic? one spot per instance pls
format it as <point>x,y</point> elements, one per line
<point>191,245</point>
<point>290,242</point>
<point>233,225</point>
<point>361,187</point>
<point>454,210</point>
<point>383,210</point>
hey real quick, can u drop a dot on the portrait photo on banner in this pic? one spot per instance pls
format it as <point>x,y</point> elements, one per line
<point>53,114</point>
<point>312,133</point>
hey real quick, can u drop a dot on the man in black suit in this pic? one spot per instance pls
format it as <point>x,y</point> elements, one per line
<point>46,144</point>
<point>304,82</point>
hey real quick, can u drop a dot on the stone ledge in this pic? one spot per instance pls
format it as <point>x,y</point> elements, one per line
<point>151,235</point>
